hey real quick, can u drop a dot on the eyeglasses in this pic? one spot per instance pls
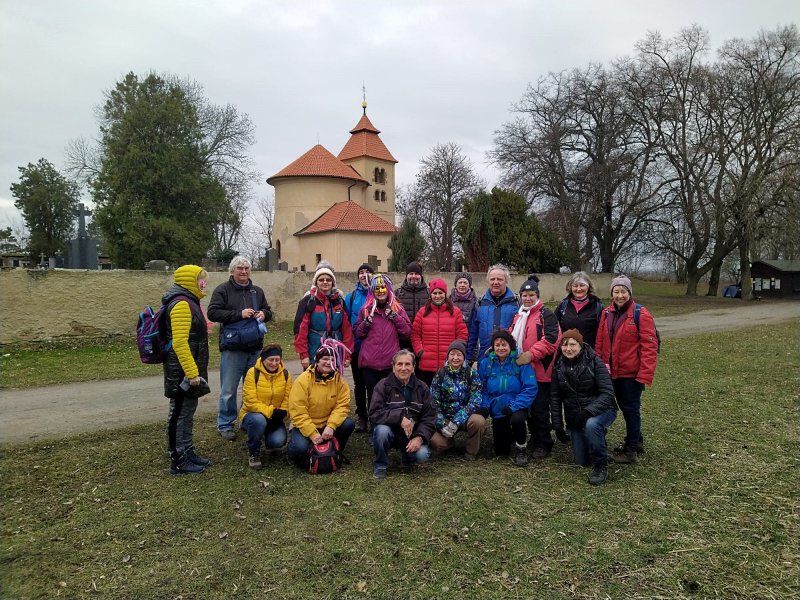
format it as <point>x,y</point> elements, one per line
<point>324,280</point>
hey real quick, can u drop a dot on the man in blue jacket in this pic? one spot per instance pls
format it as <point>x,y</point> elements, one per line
<point>495,310</point>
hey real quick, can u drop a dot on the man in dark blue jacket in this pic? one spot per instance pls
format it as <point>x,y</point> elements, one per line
<point>495,310</point>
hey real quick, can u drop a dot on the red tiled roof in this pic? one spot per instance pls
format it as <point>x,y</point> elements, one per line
<point>348,216</point>
<point>364,141</point>
<point>318,162</point>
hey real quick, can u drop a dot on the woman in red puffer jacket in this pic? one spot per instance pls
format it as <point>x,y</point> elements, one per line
<point>436,326</point>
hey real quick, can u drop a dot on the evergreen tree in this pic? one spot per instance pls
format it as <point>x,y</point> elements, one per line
<point>406,245</point>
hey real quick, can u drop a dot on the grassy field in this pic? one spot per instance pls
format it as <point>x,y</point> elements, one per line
<point>712,510</point>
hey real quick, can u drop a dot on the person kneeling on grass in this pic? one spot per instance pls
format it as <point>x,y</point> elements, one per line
<point>582,386</point>
<point>508,390</point>
<point>456,390</point>
<point>265,398</point>
<point>402,414</point>
<point>319,403</point>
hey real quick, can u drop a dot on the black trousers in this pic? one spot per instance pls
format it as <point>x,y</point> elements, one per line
<point>508,429</point>
<point>360,389</point>
<point>371,379</point>
<point>539,420</point>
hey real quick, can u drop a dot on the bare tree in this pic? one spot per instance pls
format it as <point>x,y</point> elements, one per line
<point>262,218</point>
<point>436,200</point>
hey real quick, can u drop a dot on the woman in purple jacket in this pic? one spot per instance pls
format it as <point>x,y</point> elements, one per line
<point>381,323</point>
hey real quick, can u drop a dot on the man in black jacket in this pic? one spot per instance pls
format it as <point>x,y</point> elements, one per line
<point>403,415</point>
<point>233,301</point>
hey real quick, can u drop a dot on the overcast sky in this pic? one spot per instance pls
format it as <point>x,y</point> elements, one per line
<point>435,71</point>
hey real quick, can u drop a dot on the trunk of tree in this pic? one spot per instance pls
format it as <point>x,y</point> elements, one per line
<point>713,280</point>
<point>744,265</point>
<point>692,279</point>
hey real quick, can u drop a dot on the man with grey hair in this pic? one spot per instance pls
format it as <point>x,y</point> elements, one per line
<point>235,300</point>
<point>495,310</point>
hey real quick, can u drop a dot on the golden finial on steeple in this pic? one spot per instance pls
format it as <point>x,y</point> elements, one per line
<point>364,97</point>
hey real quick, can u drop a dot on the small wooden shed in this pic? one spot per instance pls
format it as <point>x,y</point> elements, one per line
<point>776,278</point>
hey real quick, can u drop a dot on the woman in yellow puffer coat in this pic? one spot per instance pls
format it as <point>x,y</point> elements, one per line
<point>186,365</point>
<point>265,399</point>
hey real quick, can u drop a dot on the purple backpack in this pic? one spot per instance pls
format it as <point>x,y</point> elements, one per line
<point>150,338</point>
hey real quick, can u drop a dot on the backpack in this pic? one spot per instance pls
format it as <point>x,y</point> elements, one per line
<point>637,310</point>
<point>325,457</point>
<point>150,338</point>
<point>257,374</point>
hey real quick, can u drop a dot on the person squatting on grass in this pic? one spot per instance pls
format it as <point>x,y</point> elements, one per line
<point>186,363</point>
<point>581,309</point>
<point>353,303</point>
<point>235,300</point>
<point>265,401</point>
<point>508,390</point>
<point>403,416</point>
<point>535,329</point>
<point>319,403</point>
<point>631,352</point>
<point>581,387</point>
<point>437,324</point>
<point>496,310</point>
<point>382,323</point>
<point>321,315</point>
<point>456,390</point>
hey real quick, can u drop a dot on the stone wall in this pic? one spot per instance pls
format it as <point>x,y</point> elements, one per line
<point>41,306</point>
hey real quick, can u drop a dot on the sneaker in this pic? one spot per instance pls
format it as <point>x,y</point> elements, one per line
<point>185,467</point>
<point>379,473</point>
<point>628,456</point>
<point>469,457</point>
<point>254,460</point>
<point>540,453</point>
<point>228,435</point>
<point>197,459</point>
<point>599,475</point>
<point>521,457</point>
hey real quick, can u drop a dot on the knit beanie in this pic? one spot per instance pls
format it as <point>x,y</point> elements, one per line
<point>466,276</point>
<point>531,285</point>
<point>505,335</point>
<point>413,267</point>
<point>324,268</point>
<point>623,281</point>
<point>437,284</point>
<point>367,267</point>
<point>572,333</point>
<point>458,345</point>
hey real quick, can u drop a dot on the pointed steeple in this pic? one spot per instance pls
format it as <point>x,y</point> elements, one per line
<point>364,141</point>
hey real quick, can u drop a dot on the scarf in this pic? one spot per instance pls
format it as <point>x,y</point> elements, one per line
<point>459,297</point>
<point>518,331</point>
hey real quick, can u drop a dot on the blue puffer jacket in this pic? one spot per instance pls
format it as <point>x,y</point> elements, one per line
<point>506,384</point>
<point>486,319</point>
<point>353,303</point>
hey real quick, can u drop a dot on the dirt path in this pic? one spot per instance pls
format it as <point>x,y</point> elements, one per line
<point>63,410</point>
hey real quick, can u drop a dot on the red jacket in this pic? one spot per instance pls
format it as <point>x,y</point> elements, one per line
<point>541,338</point>
<point>632,351</point>
<point>433,333</point>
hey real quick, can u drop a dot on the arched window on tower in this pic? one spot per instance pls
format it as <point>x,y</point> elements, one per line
<point>382,175</point>
<point>377,176</point>
<point>377,196</point>
<point>383,196</point>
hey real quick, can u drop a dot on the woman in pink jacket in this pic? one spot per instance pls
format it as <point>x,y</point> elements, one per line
<point>536,331</point>
<point>628,344</point>
<point>436,326</point>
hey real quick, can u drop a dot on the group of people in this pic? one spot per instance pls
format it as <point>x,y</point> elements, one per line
<point>426,364</point>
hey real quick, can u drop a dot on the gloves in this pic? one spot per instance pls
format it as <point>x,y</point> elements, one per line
<point>390,314</point>
<point>524,359</point>
<point>278,415</point>
<point>368,321</point>
<point>482,411</point>
<point>449,430</point>
<point>562,435</point>
<point>507,412</point>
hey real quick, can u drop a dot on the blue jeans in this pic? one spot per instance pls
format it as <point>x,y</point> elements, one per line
<point>629,398</point>
<point>259,428</point>
<point>589,444</point>
<point>386,437</point>
<point>233,366</point>
<point>299,444</point>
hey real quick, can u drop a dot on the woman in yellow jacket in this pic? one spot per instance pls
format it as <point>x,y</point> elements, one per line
<point>319,403</point>
<point>265,398</point>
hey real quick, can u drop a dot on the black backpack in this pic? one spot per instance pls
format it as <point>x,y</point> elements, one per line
<point>325,457</point>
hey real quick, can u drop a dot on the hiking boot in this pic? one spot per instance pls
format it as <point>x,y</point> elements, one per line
<point>195,458</point>
<point>540,453</point>
<point>254,460</point>
<point>599,475</point>
<point>520,458</point>
<point>469,457</point>
<point>361,426</point>
<point>228,435</point>
<point>628,456</point>
<point>184,467</point>
<point>379,473</point>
